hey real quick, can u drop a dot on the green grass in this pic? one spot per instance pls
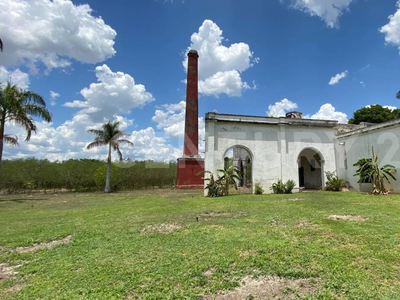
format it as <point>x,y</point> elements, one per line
<point>109,258</point>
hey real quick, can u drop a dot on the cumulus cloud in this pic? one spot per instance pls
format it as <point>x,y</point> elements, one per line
<point>328,10</point>
<point>171,119</point>
<point>392,29</point>
<point>53,98</point>
<point>115,93</point>
<point>220,67</point>
<point>52,33</point>
<point>69,140</point>
<point>328,112</point>
<point>16,76</point>
<point>335,79</point>
<point>280,108</point>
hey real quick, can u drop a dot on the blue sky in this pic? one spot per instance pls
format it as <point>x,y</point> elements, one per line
<point>256,58</point>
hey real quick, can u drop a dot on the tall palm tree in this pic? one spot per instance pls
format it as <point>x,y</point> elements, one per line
<point>19,107</point>
<point>110,135</point>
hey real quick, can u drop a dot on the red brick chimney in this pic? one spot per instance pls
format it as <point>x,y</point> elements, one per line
<point>191,144</point>
<point>191,164</point>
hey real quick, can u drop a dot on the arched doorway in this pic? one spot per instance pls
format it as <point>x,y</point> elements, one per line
<point>241,158</point>
<point>311,171</point>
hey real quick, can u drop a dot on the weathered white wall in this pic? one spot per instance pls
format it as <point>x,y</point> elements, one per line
<point>275,148</point>
<point>354,146</point>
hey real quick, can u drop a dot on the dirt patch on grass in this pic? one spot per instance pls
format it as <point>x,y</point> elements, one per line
<point>348,218</point>
<point>269,287</point>
<point>222,214</point>
<point>295,199</point>
<point>48,245</point>
<point>247,253</point>
<point>161,228</point>
<point>209,272</point>
<point>7,271</point>
<point>304,223</point>
<point>14,289</point>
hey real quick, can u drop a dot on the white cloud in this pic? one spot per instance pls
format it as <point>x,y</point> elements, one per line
<point>17,77</point>
<point>53,33</point>
<point>115,93</point>
<point>335,79</point>
<point>390,107</point>
<point>53,98</point>
<point>392,29</point>
<point>328,10</point>
<point>280,108</point>
<point>220,67</point>
<point>171,119</point>
<point>328,112</point>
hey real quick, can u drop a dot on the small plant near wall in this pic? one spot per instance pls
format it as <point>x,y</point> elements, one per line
<point>334,183</point>
<point>220,186</point>
<point>259,190</point>
<point>369,171</point>
<point>283,188</point>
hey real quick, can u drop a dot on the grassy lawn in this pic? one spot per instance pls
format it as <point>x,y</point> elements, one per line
<point>116,251</point>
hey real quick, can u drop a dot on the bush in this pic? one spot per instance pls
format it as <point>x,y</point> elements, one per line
<point>283,188</point>
<point>290,184</point>
<point>334,183</point>
<point>258,189</point>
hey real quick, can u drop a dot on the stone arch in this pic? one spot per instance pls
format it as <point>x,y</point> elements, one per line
<point>242,158</point>
<point>311,168</point>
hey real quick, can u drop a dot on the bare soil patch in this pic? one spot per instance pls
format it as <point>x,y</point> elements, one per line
<point>348,218</point>
<point>247,253</point>
<point>14,289</point>
<point>302,223</point>
<point>295,199</point>
<point>7,271</point>
<point>222,214</point>
<point>48,245</point>
<point>209,272</point>
<point>269,287</point>
<point>161,228</point>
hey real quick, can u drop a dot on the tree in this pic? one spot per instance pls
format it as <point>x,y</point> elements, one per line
<point>374,114</point>
<point>110,135</point>
<point>369,171</point>
<point>19,107</point>
<point>398,95</point>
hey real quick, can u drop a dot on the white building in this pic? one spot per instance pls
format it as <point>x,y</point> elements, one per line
<point>268,149</point>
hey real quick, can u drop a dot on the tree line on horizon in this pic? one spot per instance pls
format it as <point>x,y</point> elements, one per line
<point>30,174</point>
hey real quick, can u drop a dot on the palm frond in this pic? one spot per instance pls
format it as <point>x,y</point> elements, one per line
<point>11,139</point>
<point>124,142</point>
<point>95,144</point>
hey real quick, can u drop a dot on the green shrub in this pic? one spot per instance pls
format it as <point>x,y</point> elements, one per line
<point>283,188</point>
<point>258,189</point>
<point>289,186</point>
<point>334,183</point>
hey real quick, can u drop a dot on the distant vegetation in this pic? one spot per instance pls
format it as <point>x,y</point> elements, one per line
<point>374,114</point>
<point>26,175</point>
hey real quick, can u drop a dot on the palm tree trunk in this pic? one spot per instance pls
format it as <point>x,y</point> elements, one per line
<point>108,175</point>
<point>1,139</point>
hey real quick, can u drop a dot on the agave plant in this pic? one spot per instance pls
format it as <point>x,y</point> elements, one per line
<point>369,171</point>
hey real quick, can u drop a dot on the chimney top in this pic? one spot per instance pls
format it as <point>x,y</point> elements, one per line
<point>192,51</point>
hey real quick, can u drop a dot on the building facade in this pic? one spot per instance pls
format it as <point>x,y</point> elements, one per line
<point>267,149</point>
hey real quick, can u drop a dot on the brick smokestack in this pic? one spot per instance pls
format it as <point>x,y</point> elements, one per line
<point>191,165</point>
<point>191,143</point>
